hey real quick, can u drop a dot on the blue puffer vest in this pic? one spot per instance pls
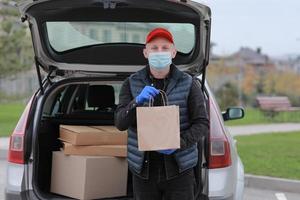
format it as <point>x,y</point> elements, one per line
<point>177,92</point>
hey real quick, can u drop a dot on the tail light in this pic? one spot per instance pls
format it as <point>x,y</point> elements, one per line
<point>16,144</point>
<point>219,148</point>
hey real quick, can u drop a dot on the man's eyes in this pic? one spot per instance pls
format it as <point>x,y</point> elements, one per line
<point>163,48</point>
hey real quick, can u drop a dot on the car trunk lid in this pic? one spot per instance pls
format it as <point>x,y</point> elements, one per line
<point>64,38</point>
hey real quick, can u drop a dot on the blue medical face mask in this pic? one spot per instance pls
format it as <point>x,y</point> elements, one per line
<point>160,60</point>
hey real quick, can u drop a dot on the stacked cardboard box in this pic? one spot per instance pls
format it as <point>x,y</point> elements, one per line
<point>93,141</point>
<point>92,164</point>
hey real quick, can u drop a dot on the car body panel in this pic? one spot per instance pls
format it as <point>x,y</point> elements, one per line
<point>239,190</point>
<point>15,177</point>
<point>228,182</point>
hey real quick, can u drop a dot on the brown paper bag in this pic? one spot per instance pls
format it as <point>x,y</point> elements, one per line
<point>158,127</point>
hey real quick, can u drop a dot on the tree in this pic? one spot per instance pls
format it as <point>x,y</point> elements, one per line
<point>249,81</point>
<point>227,95</point>
<point>16,53</point>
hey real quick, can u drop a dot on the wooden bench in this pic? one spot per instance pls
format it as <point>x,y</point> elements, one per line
<point>273,104</point>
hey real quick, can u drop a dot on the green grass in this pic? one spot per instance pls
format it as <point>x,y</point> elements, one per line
<point>9,116</point>
<point>255,116</point>
<point>276,155</point>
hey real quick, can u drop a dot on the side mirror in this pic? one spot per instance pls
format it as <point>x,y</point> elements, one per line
<point>233,113</point>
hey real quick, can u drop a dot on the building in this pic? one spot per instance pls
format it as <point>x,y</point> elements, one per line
<point>249,57</point>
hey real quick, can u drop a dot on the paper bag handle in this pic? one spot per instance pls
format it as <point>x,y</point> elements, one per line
<point>163,97</point>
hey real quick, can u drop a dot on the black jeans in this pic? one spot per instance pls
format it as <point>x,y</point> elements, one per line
<point>158,188</point>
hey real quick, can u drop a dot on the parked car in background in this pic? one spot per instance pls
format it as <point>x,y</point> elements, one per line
<point>84,43</point>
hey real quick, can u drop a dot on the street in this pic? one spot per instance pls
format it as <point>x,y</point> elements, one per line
<point>256,194</point>
<point>2,177</point>
<point>250,193</point>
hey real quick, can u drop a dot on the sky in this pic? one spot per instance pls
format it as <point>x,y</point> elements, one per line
<point>273,25</point>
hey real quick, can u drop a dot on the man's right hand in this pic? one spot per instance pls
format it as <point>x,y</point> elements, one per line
<point>146,94</point>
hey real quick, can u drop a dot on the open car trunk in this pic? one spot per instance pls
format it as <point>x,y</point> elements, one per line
<point>67,102</point>
<point>48,142</point>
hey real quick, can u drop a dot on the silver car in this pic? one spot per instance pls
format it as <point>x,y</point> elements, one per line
<point>84,50</point>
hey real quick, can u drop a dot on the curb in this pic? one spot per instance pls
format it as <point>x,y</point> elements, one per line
<point>3,154</point>
<point>271,183</point>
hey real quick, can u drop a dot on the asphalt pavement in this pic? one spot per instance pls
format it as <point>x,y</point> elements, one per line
<point>258,194</point>
<point>4,144</point>
<point>3,165</point>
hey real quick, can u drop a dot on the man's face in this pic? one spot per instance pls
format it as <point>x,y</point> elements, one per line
<point>159,45</point>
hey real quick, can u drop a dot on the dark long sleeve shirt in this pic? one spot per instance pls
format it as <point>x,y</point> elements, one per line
<point>125,114</point>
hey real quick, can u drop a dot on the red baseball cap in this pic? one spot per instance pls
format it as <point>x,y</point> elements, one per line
<point>159,32</point>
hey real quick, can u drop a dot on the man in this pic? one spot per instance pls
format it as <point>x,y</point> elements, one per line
<point>166,174</point>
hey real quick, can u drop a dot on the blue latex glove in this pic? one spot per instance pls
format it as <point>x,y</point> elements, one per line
<point>167,151</point>
<point>146,94</point>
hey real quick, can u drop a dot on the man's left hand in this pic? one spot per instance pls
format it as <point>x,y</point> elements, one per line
<point>167,151</point>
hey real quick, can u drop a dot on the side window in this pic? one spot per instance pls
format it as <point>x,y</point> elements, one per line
<point>80,97</point>
<point>61,101</point>
<point>117,88</point>
<point>58,103</point>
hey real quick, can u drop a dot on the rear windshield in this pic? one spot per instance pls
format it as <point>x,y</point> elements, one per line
<point>65,36</point>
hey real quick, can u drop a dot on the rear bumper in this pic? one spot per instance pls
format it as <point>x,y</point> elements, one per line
<point>10,195</point>
<point>30,195</point>
<point>227,183</point>
<point>222,183</point>
<point>221,198</point>
<point>25,195</point>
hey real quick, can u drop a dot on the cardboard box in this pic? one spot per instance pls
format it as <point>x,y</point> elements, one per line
<point>100,150</point>
<point>98,135</point>
<point>88,177</point>
<point>108,129</point>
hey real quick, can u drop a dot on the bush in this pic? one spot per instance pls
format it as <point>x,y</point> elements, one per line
<point>227,95</point>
